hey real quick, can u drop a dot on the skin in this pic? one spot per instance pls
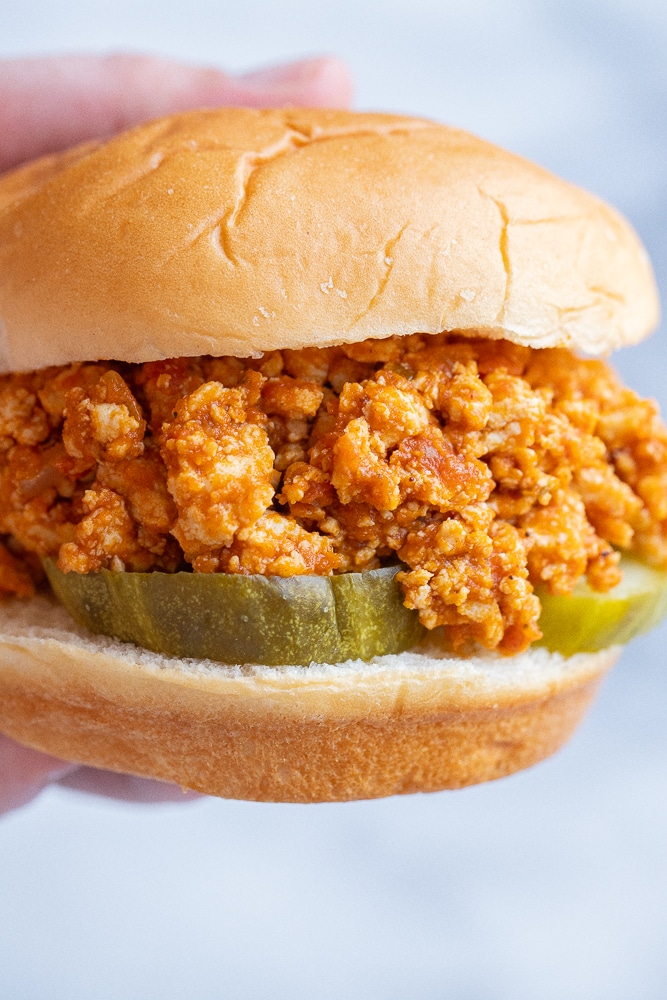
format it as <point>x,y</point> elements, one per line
<point>48,104</point>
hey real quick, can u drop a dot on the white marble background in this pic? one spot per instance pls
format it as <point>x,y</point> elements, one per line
<point>551,884</point>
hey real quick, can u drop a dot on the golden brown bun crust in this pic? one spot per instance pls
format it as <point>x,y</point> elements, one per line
<point>404,724</point>
<point>238,231</point>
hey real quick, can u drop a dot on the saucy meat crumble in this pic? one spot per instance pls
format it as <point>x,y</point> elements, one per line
<point>485,468</point>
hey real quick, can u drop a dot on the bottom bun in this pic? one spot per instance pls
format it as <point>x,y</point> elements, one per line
<point>414,722</point>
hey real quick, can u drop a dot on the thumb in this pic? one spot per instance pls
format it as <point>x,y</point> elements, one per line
<point>48,104</point>
<point>24,773</point>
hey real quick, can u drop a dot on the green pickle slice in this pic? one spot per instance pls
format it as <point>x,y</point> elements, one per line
<point>586,621</point>
<point>244,619</point>
<point>315,619</point>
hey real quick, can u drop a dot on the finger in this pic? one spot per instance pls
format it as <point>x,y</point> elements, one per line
<point>25,772</point>
<point>48,104</point>
<point>125,787</point>
<point>321,83</point>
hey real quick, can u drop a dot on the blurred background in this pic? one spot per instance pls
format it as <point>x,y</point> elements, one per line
<point>549,884</point>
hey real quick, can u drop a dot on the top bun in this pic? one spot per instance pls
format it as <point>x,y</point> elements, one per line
<point>239,231</point>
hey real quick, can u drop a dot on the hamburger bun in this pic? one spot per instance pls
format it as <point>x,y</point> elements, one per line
<point>239,232</point>
<point>418,721</point>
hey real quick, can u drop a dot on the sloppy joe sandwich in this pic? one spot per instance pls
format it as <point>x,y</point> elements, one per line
<point>313,485</point>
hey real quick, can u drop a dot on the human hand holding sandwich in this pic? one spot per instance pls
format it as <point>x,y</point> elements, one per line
<point>293,418</point>
<point>48,104</point>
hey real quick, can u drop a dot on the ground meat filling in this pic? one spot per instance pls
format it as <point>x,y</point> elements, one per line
<point>484,467</point>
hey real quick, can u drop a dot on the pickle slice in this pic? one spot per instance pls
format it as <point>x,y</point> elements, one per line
<point>244,619</point>
<point>585,620</point>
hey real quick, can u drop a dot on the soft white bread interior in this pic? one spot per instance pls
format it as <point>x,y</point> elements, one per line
<point>239,231</point>
<point>419,721</point>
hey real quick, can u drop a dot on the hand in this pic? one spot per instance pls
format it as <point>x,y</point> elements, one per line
<point>52,103</point>
<point>48,104</point>
<point>24,773</point>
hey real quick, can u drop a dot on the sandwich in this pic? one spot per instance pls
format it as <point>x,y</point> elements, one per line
<point>314,485</point>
